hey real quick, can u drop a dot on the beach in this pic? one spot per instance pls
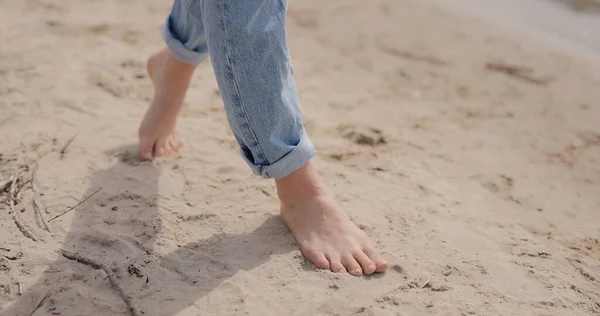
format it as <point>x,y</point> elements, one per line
<point>468,152</point>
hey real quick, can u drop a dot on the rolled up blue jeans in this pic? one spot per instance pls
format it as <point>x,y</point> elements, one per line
<point>246,41</point>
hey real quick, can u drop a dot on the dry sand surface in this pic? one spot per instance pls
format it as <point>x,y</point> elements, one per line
<point>469,155</point>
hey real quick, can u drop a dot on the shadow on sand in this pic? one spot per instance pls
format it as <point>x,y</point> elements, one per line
<point>123,238</point>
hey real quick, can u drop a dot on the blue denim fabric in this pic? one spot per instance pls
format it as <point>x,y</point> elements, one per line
<point>246,41</point>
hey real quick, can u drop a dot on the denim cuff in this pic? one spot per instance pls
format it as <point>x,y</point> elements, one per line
<point>178,49</point>
<point>289,163</point>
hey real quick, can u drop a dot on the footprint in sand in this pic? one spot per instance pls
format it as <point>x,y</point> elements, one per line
<point>363,136</point>
<point>306,19</point>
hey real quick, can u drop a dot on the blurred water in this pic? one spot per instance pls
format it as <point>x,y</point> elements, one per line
<point>572,24</point>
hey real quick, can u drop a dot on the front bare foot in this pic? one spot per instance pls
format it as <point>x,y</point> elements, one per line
<point>171,79</point>
<point>326,236</point>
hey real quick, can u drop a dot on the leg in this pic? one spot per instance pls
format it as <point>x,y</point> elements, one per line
<point>171,71</point>
<point>247,44</point>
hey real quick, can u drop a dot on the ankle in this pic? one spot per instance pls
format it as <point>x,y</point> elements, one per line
<point>301,185</point>
<point>177,66</point>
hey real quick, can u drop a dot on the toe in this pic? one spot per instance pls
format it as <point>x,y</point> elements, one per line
<point>161,149</point>
<point>174,144</point>
<point>336,265</point>
<point>352,265</point>
<point>368,267</point>
<point>168,147</point>
<point>160,152</point>
<point>380,264</point>
<point>146,148</point>
<point>316,257</point>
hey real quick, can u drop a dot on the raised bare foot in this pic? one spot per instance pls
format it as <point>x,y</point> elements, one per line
<point>326,236</point>
<point>171,79</point>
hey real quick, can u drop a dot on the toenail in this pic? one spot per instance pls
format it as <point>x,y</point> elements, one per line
<point>356,271</point>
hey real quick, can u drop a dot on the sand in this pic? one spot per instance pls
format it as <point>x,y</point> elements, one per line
<point>477,179</point>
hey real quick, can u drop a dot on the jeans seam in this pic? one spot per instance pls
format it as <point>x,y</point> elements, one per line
<point>186,8</point>
<point>239,104</point>
<point>189,12</point>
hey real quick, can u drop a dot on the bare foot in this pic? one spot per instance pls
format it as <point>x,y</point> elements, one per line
<point>171,79</point>
<point>326,236</point>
